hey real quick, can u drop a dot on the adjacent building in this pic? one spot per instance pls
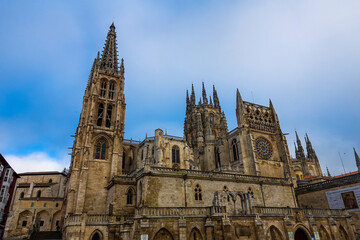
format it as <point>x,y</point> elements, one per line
<point>37,204</point>
<point>8,179</point>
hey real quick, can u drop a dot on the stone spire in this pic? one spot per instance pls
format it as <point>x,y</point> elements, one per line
<point>205,100</point>
<point>215,98</point>
<point>109,58</point>
<point>211,103</point>
<point>239,109</point>
<point>192,97</point>
<point>310,151</point>
<point>357,159</point>
<point>328,172</point>
<point>300,152</point>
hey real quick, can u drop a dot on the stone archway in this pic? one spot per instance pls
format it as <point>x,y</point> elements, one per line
<point>342,233</point>
<point>300,234</point>
<point>273,233</point>
<point>163,234</point>
<point>195,234</point>
<point>96,235</point>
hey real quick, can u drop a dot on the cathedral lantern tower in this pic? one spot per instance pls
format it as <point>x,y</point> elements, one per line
<point>205,130</point>
<point>97,150</point>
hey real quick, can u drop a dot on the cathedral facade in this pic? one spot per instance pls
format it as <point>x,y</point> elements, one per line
<point>211,183</point>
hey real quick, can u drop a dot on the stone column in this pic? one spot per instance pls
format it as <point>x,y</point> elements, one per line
<point>182,228</point>
<point>209,229</point>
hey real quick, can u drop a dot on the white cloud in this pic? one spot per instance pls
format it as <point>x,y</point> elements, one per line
<point>34,162</point>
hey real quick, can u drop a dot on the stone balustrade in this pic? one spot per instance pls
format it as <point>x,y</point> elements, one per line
<point>308,212</point>
<point>179,211</point>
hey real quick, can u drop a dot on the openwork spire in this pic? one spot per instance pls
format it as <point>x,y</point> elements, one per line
<point>109,58</point>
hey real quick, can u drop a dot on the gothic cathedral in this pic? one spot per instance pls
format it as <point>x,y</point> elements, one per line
<point>211,183</point>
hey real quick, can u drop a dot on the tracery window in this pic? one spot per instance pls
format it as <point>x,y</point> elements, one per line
<point>129,197</point>
<point>100,114</point>
<point>108,116</point>
<point>100,149</point>
<point>103,88</point>
<point>175,154</point>
<point>111,90</point>
<point>235,150</point>
<point>198,193</point>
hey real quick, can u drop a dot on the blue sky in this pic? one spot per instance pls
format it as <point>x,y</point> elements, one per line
<point>304,55</point>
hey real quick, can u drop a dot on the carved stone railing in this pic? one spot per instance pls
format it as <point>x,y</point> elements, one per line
<point>308,212</point>
<point>222,175</point>
<point>73,220</point>
<point>97,219</point>
<point>179,211</point>
<point>272,211</point>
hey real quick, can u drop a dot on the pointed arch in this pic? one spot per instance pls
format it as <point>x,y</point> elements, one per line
<point>25,218</point>
<point>273,233</point>
<point>163,234</point>
<point>96,235</point>
<point>100,148</point>
<point>195,234</point>
<point>323,233</point>
<point>342,233</point>
<point>301,234</point>
<point>43,218</point>
<point>55,225</point>
<point>130,196</point>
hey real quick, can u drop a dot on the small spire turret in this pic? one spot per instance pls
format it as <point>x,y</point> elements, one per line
<point>215,98</point>
<point>328,172</point>
<point>205,100</point>
<point>192,97</point>
<point>357,159</point>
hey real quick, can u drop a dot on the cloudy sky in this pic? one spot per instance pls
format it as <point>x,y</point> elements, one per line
<point>304,55</point>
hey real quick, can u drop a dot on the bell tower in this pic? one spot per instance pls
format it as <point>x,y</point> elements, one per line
<point>97,150</point>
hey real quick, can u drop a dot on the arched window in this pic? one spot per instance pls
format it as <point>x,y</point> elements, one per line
<point>211,118</point>
<point>38,194</point>
<point>103,88</point>
<point>235,150</point>
<point>100,114</point>
<point>100,149</point>
<point>129,197</point>
<point>123,160</point>
<point>50,180</point>
<point>111,90</point>
<point>175,154</point>
<point>198,193</point>
<point>22,195</point>
<point>108,116</point>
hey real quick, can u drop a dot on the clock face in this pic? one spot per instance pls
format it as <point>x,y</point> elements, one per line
<point>263,148</point>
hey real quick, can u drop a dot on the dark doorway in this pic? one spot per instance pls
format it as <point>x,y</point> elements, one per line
<point>300,235</point>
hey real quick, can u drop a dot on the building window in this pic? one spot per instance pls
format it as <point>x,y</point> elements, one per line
<point>56,205</point>
<point>235,150</point>
<point>38,194</point>
<point>108,116</point>
<point>22,195</point>
<point>129,197</point>
<point>41,223</point>
<point>103,89</point>
<point>100,114</point>
<point>50,180</point>
<point>1,170</point>
<point>44,204</point>
<point>100,149</point>
<point>57,223</point>
<point>7,174</point>
<point>111,90</point>
<point>32,204</point>
<point>211,118</point>
<point>24,223</point>
<point>123,160</point>
<point>175,154</point>
<point>198,194</point>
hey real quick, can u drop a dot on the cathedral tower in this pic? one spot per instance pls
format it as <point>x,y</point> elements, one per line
<point>205,130</point>
<point>264,150</point>
<point>97,150</point>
